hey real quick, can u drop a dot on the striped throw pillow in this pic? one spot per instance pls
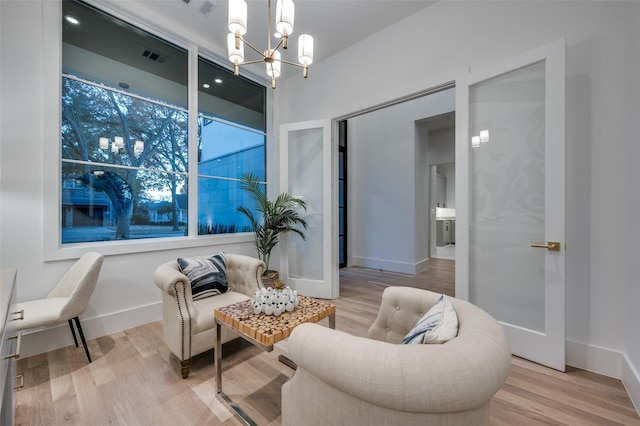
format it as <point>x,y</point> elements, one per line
<point>208,277</point>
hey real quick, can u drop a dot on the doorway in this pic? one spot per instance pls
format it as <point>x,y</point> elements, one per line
<point>437,135</point>
<point>387,168</point>
<point>442,242</point>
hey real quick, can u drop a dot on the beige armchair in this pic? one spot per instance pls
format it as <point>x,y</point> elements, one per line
<point>188,325</point>
<point>374,380</point>
<point>67,300</point>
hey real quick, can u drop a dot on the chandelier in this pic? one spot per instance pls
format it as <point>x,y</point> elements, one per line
<point>118,144</point>
<point>271,56</point>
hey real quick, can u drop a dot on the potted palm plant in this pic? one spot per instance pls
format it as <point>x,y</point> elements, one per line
<point>277,216</point>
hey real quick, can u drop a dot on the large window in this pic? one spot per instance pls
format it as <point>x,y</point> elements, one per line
<point>231,143</point>
<point>125,135</point>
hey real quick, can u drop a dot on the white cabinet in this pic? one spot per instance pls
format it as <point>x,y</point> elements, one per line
<point>9,346</point>
<point>443,232</point>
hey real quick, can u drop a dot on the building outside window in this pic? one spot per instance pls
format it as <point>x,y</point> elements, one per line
<point>232,141</point>
<point>125,135</point>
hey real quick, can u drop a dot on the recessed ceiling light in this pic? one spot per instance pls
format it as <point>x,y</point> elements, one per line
<point>206,85</point>
<point>71,19</point>
<point>218,80</point>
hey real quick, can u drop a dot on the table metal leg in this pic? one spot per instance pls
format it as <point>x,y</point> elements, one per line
<point>218,357</point>
<point>243,416</point>
<point>218,360</point>
<point>287,361</point>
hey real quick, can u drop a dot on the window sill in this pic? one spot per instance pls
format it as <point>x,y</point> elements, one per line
<point>110,248</point>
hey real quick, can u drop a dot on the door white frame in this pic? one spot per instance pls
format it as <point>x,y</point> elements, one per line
<point>546,348</point>
<point>328,287</point>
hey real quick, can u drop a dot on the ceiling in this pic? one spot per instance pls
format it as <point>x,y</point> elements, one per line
<point>334,24</point>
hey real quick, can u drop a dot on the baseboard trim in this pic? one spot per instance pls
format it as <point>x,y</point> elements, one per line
<point>42,340</point>
<point>594,358</point>
<point>421,266</point>
<point>390,265</point>
<point>608,363</point>
<point>631,382</point>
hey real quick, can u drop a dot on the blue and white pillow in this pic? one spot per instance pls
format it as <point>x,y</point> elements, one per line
<point>208,277</point>
<point>438,325</point>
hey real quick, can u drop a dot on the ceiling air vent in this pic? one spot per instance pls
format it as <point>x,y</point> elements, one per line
<point>156,57</point>
<point>206,7</point>
<point>203,6</point>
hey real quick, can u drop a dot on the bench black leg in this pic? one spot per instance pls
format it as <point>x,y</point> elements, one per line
<point>75,339</point>
<point>84,342</point>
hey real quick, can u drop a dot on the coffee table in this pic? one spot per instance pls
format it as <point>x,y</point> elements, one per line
<point>264,331</point>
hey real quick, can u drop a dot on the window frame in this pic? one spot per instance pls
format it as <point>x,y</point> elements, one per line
<point>53,249</point>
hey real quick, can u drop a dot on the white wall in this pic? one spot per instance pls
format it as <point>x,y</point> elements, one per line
<point>442,149</point>
<point>383,193</point>
<point>631,373</point>
<point>441,42</point>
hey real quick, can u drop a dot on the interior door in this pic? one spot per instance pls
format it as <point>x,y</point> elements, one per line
<point>307,171</point>
<point>510,198</point>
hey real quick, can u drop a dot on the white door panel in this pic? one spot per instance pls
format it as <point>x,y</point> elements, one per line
<point>307,171</point>
<point>510,154</point>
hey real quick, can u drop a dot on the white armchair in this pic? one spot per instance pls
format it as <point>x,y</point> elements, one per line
<point>188,325</point>
<point>375,380</point>
<point>67,300</point>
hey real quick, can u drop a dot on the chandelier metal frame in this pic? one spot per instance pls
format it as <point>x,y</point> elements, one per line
<point>237,23</point>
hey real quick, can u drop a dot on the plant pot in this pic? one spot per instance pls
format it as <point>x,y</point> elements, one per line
<point>269,278</point>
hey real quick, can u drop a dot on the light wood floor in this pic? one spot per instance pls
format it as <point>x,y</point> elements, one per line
<point>135,381</point>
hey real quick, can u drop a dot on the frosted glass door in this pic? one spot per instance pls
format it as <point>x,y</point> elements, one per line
<point>508,197</point>
<point>515,146</point>
<point>310,264</point>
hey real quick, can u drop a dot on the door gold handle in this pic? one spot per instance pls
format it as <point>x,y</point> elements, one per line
<point>551,245</point>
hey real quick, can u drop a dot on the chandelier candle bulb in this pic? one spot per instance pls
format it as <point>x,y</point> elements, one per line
<point>238,17</point>
<point>235,49</point>
<point>272,58</point>
<point>104,143</point>
<point>305,49</point>
<point>285,11</point>
<point>138,147</point>
<point>475,141</point>
<point>484,136</point>
<point>305,53</point>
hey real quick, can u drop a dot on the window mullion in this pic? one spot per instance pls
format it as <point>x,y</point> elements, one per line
<point>193,141</point>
